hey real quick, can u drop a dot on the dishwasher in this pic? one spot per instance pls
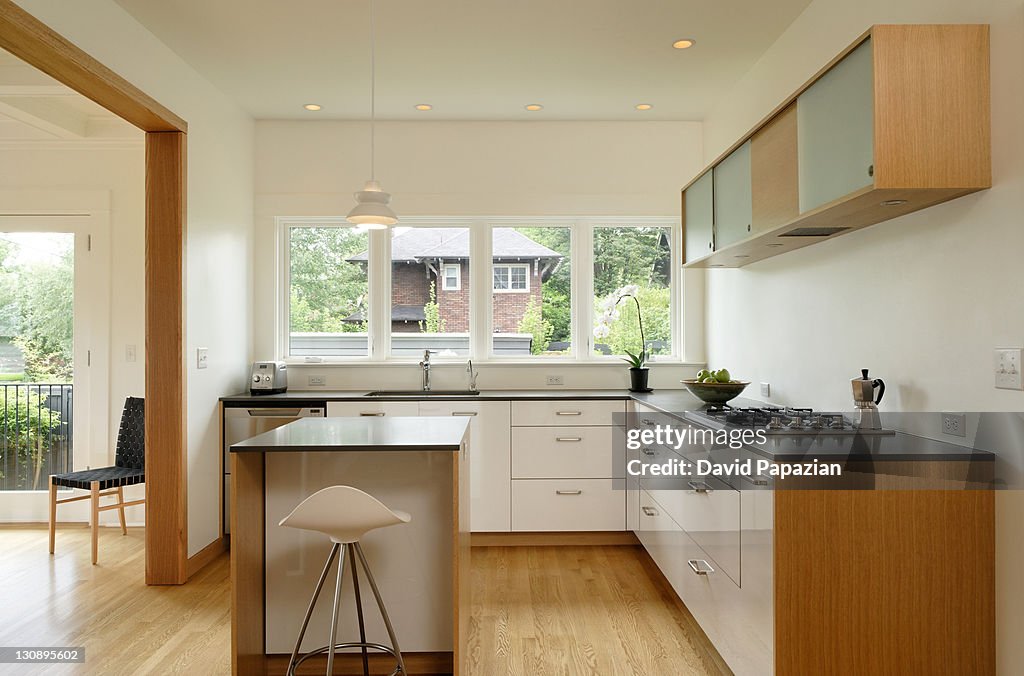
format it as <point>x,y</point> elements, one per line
<point>243,420</point>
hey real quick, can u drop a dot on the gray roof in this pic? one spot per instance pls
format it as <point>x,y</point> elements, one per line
<point>417,244</point>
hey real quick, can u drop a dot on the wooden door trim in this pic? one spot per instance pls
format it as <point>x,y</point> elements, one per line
<point>37,44</point>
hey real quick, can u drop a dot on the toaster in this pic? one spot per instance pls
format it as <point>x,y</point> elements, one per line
<point>268,377</point>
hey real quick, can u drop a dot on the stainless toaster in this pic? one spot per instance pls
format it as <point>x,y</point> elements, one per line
<point>268,377</point>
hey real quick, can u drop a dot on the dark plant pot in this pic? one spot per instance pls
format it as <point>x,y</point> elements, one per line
<point>638,379</point>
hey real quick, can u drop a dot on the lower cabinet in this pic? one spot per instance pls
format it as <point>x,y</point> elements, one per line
<point>567,505</point>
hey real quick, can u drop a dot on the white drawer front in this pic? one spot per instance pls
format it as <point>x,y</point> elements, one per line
<point>711,516</point>
<point>567,505</point>
<point>354,409</point>
<point>562,452</point>
<point>662,538</point>
<point>563,413</point>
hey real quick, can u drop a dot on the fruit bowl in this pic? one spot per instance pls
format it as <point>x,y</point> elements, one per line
<point>715,393</point>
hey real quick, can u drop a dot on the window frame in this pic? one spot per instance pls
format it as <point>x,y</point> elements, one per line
<point>510,267</point>
<point>458,276</point>
<point>481,286</point>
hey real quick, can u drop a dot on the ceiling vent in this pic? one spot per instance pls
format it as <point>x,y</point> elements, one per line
<point>813,232</point>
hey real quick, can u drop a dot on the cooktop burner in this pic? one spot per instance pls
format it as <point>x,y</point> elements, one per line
<point>782,420</point>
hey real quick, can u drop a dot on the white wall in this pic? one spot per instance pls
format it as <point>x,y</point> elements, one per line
<point>220,234</point>
<point>55,178</point>
<point>467,169</point>
<point>921,300</point>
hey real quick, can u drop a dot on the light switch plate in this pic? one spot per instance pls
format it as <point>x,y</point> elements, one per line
<point>202,356</point>
<point>1007,365</point>
<point>766,390</point>
<point>129,353</point>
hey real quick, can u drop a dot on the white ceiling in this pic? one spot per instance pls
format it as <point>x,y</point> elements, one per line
<point>35,108</point>
<point>471,59</point>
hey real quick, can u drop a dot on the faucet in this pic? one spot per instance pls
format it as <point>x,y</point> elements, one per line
<point>472,375</point>
<point>425,365</point>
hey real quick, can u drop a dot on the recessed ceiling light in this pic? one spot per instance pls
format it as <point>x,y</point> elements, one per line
<point>312,106</point>
<point>532,107</point>
<point>684,43</point>
<point>643,106</point>
<point>424,106</point>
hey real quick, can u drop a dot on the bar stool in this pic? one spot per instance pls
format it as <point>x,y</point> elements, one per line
<point>345,514</point>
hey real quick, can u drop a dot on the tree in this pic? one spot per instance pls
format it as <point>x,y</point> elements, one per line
<point>432,321</point>
<point>534,324</point>
<point>635,255</point>
<point>43,311</point>
<point>325,287</point>
<point>556,290</point>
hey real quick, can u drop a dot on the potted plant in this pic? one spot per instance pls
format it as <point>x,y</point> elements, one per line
<point>638,370</point>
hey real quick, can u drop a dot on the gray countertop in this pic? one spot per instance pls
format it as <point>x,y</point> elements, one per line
<point>360,434</point>
<point>295,396</point>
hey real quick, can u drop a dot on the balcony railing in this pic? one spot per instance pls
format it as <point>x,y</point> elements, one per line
<point>36,421</point>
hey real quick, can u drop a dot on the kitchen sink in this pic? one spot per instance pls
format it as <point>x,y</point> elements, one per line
<point>423,393</point>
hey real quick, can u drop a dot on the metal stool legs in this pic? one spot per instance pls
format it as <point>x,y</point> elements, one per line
<point>349,551</point>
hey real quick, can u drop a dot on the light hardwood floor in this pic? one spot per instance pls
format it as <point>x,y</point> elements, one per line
<point>536,610</point>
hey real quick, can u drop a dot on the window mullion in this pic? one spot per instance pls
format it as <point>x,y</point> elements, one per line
<point>379,273</point>
<point>480,290</point>
<point>583,289</point>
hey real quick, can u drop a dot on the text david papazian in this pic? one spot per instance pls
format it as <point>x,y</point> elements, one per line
<point>747,468</point>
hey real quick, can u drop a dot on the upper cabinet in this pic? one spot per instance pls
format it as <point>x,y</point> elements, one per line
<point>733,211</point>
<point>835,131</point>
<point>699,213</point>
<point>897,122</point>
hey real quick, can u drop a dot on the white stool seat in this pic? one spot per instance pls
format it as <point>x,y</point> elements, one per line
<point>343,513</point>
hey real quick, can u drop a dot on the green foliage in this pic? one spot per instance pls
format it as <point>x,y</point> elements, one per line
<point>636,361</point>
<point>432,321</point>
<point>28,431</point>
<point>326,288</point>
<point>533,323</point>
<point>624,331</point>
<point>556,291</point>
<point>622,256</point>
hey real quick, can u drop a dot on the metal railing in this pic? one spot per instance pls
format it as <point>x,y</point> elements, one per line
<point>36,423</point>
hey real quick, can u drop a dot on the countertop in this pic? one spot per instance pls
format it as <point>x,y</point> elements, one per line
<point>360,434</point>
<point>673,403</point>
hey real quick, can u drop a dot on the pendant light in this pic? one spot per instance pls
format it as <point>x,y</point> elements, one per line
<point>371,210</point>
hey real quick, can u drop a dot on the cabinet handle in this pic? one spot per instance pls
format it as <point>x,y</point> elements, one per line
<point>568,438</point>
<point>711,245</point>
<point>568,412</point>
<point>465,413</point>
<point>748,227</point>
<point>700,487</point>
<point>871,170</point>
<point>757,481</point>
<point>650,511</point>
<point>648,451</point>
<point>647,421</point>
<point>372,414</point>
<point>700,566</point>
<point>576,492</point>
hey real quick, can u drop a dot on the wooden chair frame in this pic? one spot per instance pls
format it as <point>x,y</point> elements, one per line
<point>94,497</point>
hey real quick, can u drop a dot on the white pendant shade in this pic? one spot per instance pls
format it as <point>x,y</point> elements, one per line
<point>371,210</point>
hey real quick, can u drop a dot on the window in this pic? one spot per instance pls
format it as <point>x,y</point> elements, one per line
<point>452,277</point>
<point>327,290</point>
<point>538,320</point>
<point>561,288</point>
<point>429,305</point>
<point>511,277</point>
<point>630,263</point>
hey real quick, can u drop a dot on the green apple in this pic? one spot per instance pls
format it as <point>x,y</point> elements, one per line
<point>702,374</point>
<point>722,376</point>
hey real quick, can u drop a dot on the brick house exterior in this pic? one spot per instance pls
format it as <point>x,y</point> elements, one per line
<point>422,256</point>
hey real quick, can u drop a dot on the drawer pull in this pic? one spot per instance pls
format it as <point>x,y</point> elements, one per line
<point>371,414</point>
<point>757,481</point>
<point>700,566</point>
<point>568,412</point>
<point>576,492</point>
<point>568,438</point>
<point>648,451</point>
<point>650,511</point>
<point>464,413</point>
<point>700,487</point>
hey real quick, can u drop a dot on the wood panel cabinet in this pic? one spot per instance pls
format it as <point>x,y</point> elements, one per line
<point>897,122</point>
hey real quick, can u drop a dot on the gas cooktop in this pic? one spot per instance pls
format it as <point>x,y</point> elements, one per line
<point>780,420</point>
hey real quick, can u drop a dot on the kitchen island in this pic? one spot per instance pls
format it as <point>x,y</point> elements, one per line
<point>418,465</point>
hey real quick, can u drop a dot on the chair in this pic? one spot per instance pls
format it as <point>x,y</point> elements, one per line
<point>129,469</point>
<point>345,514</point>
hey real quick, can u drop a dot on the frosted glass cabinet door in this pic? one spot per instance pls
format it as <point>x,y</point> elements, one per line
<point>835,131</point>
<point>733,197</point>
<point>700,218</point>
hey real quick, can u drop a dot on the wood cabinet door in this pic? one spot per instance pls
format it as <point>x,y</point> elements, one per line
<point>699,215</point>
<point>733,197</point>
<point>835,131</point>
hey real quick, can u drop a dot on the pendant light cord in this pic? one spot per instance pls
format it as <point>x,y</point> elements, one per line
<point>373,91</point>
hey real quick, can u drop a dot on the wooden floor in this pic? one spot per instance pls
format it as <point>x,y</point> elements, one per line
<point>536,611</point>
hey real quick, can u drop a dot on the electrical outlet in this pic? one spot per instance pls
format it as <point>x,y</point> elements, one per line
<point>954,424</point>
<point>202,357</point>
<point>766,390</point>
<point>129,353</point>
<point>316,380</point>
<point>555,380</point>
<point>1007,365</point>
